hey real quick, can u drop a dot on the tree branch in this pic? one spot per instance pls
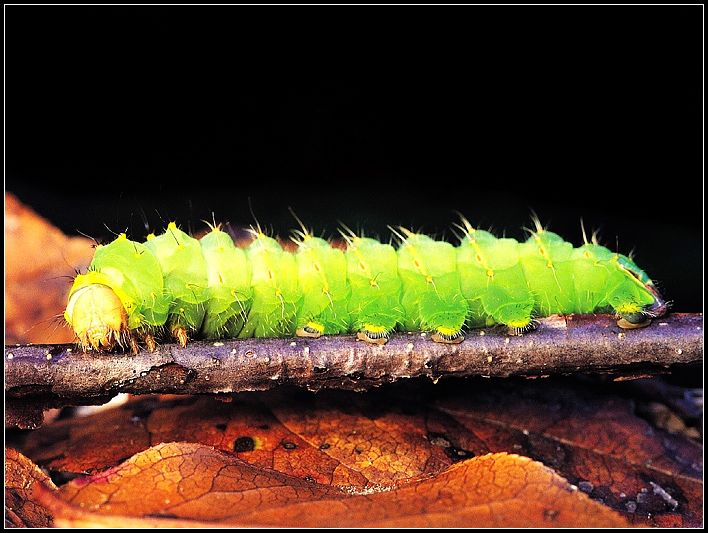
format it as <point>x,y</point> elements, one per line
<point>42,376</point>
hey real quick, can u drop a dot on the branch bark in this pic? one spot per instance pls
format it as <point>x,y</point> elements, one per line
<point>41,376</point>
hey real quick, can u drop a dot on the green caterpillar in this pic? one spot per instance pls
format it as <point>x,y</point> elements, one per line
<point>187,288</point>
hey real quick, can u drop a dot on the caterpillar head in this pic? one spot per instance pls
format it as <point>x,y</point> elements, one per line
<point>96,314</point>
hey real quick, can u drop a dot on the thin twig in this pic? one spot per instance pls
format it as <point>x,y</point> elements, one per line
<point>42,376</point>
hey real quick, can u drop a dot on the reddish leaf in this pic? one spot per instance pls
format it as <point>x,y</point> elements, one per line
<point>596,442</point>
<point>385,439</point>
<point>21,509</point>
<point>189,481</point>
<point>38,275</point>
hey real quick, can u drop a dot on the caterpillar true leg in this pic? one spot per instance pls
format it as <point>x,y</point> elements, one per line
<point>185,277</point>
<point>150,342</point>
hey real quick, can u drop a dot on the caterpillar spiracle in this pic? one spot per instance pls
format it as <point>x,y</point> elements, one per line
<point>175,285</point>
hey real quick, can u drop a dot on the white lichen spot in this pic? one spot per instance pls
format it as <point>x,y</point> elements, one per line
<point>659,491</point>
<point>489,359</point>
<point>663,323</point>
<point>306,350</point>
<point>679,351</point>
<point>293,343</point>
<point>506,341</point>
<point>10,355</point>
<point>218,344</point>
<point>525,431</point>
<point>233,351</point>
<point>423,334</point>
<point>409,347</point>
<point>49,356</point>
<point>69,350</point>
<point>206,378</point>
<point>519,361</point>
<point>482,333</point>
<point>621,335</point>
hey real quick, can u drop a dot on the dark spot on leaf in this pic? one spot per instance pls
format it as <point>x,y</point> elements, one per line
<point>288,445</point>
<point>438,439</point>
<point>550,514</point>
<point>244,444</point>
<point>60,478</point>
<point>443,441</point>
<point>458,454</point>
<point>144,408</point>
<point>264,426</point>
<point>586,486</point>
<point>309,479</point>
<point>220,427</point>
<point>324,446</point>
<point>319,369</point>
<point>358,450</point>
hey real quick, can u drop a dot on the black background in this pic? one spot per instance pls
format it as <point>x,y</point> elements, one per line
<point>371,116</point>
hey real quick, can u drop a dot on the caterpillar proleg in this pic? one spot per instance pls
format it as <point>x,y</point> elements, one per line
<point>185,288</point>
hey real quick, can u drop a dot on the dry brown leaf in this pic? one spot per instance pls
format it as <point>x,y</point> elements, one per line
<point>21,474</point>
<point>40,262</point>
<point>195,482</point>
<point>385,439</point>
<point>596,442</point>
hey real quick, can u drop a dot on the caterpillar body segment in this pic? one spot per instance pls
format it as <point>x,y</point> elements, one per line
<point>431,298</point>
<point>122,294</point>
<point>322,277</point>
<point>546,261</point>
<point>276,293</point>
<point>229,293</point>
<point>184,271</point>
<point>493,281</point>
<point>374,304</point>
<point>212,289</point>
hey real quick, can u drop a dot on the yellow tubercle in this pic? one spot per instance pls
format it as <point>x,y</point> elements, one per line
<point>171,225</point>
<point>150,237</point>
<point>448,331</point>
<point>374,329</point>
<point>628,308</point>
<point>519,324</point>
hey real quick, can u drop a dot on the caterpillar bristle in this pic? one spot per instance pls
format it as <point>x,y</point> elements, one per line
<point>448,338</point>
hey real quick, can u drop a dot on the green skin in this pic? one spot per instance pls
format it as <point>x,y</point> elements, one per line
<point>216,290</point>
<point>229,292</point>
<point>276,294</point>
<point>432,299</point>
<point>134,273</point>
<point>322,277</point>
<point>184,270</point>
<point>372,272</point>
